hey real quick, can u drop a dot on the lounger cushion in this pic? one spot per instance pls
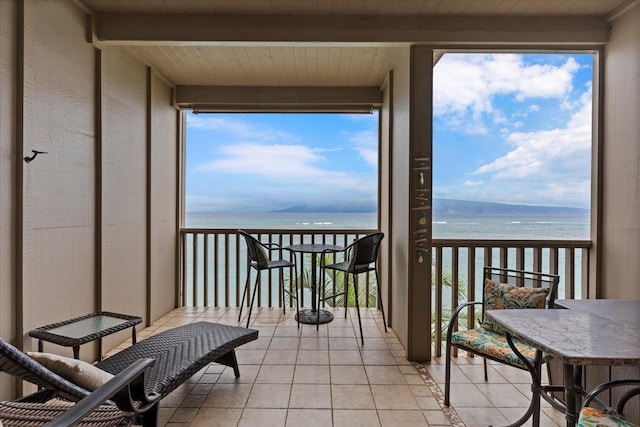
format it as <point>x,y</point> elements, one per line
<point>592,417</point>
<point>78,372</point>
<point>500,296</point>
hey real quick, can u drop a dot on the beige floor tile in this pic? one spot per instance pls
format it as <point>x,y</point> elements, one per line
<point>314,343</point>
<point>348,374</point>
<point>284,343</point>
<point>287,331</point>
<point>311,374</point>
<point>275,374</point>
<point>377,357</point>
<point>468,396</point>
<point>269,396</point>
<point>250,357</point>
<point>352,397</point>
<point>402,418</point>
<point>183,415</point>
<point>342,332</point>
<point>504,395</point>
<point>309,417</point>
<point>345,357</point>
<point>216,417</point>
<point>311,396</point>
<point>393,397</point>
<point>384,375</point>
<point>372,343</point>
<point>313,357</point>
<point>280,357</point>
<point>194,400</point>
<point>428,403</point>
<point>263,417</point>
<point>355,418</point>
<point>339,343</point>
<point>248,375</point>
<point>481,416</point>
<point>436,418</point>
<point>228,396</point>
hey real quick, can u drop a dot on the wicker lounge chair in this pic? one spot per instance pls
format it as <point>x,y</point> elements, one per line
<point>127,400</point>
<point>178,354</point>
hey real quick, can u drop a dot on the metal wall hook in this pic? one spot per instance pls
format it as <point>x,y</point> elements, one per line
<point>35,153</point>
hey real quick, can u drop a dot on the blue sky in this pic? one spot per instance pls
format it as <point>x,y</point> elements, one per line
<point>507,128</point>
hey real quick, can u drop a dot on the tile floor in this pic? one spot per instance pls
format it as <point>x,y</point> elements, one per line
<point>294,377</point>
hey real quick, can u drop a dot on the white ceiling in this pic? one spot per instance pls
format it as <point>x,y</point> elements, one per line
<point>265,61</point>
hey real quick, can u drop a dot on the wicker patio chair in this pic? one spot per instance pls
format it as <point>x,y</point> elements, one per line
<point>124,394</point>
<point>260,259</point>
<point>361,257</point>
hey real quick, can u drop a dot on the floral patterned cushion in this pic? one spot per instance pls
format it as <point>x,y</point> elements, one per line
<point>591,417</point>
<point>500,296</point>
<point>493,344</point>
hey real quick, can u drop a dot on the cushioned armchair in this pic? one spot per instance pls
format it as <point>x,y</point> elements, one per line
<point>597,413</point>
<point>502,289</point>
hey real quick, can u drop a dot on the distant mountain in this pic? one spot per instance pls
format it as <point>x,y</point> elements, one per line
<point>451,207</point>
<point>351,208</point>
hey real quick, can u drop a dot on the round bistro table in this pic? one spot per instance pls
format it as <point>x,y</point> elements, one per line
<point>309,316</point>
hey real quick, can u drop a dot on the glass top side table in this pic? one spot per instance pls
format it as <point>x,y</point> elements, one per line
<point>84,329</point>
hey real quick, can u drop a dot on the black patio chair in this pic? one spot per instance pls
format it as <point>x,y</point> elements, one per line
<point>502,289</point>
<point>260,259</point>
<point>120,401</point>
<point>361,256</point>
<point>596,412</point>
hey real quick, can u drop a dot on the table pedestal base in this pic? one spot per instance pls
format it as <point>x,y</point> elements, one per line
<point>309,316</point>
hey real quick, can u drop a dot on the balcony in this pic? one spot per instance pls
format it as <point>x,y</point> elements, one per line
<point>293,377</point>
<point>351,383</point>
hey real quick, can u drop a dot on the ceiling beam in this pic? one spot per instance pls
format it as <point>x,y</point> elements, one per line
<point>252,29</point>
<point>275,98</point>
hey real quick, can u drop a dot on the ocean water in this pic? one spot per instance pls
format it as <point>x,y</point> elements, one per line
<point>452,227</point>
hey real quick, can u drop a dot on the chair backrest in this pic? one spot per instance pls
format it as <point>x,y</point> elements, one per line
<point>258,256</point>
<point>364,252</point>
<point>14,362</point>
<point>507,285</point>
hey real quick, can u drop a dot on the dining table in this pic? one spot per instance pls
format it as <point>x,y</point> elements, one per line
<point>578,333</point>
<point>310,316</point>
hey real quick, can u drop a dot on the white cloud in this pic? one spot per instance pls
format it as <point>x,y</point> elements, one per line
<point>365,143</point>
<point>466,85</point>
<point>470,183</point>
<point>548,164</point>
<point>294,164</point>
<point>238,129</point>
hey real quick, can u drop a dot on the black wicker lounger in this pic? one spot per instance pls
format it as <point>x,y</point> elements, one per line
<point>181,352</point>
<point>178,353</point>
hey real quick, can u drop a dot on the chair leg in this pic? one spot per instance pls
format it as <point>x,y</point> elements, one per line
<point>447,371</point>
<point>384,321</point>
<point>284,304</point>
<point>150,418</point>
<point>355,288</point>
<point>244,293</point>
<point>346,294</point>
<point>295,285</point>
<point>253,298</point>
<point>486,374</point>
